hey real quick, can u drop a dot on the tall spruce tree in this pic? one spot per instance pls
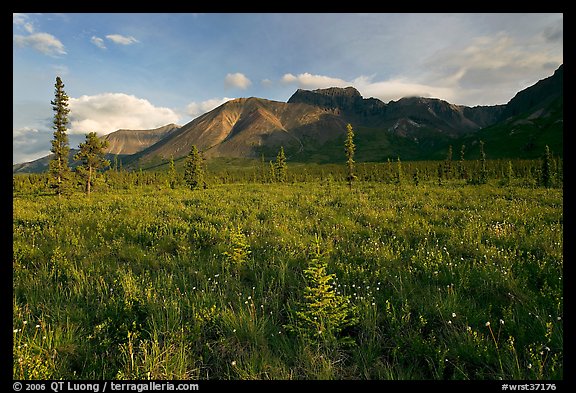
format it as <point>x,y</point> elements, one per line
<point>462,168</point>
<point>483,177</point>
<point>350,150</point>
<point>92,156</point>
<point>194,171</point>
<point>448,163</point>
<point>547,172</point>
<point>58,166</point>
<point>280,168</point>
<point>172,175</point>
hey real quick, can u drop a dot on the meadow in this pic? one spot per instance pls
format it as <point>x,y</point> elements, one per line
<point>434,281</point>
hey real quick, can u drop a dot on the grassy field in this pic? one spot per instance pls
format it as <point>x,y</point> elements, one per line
<point>436,282</point>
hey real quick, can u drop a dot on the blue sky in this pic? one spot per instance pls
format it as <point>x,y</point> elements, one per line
<point>145,70</point>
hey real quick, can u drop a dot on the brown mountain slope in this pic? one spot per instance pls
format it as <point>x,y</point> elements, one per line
<point>132,141</point>
<point>243,127</point>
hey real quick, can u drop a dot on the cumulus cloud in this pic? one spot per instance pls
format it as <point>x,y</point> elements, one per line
<point>195,109</point>
<point>108,112</point>
<point>42,42</point>
<point>30,143</point>
<point>309,81</point>
<point>121,39</point>
<point>23,21</point>
<point>495,61</point>
<point>99,42</point>
<point>392,89</point>
<point>238,80</point>
<point>23,131</point>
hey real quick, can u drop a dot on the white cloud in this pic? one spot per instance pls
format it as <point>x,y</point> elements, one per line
<point>496,61</point>
<point>196,109</point>
<point>309,81</point>
<point>238,80</point>
<point>99,42</point>
<point>266,82</point>
<point>22,20</point>
<point>19,19</point>
<point>23,131</point>
<point>108,112</point>
<point>121,39</point>
<point>42,42</point>
<point>392,89</point>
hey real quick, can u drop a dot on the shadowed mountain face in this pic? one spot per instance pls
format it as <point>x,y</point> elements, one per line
<point>311,126</point>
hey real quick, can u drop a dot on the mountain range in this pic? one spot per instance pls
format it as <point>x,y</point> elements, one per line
<point>311,126</point>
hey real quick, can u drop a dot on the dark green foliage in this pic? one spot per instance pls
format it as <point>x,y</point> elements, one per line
<point>416,177</point>
<point>399,173</point>
<point>194,170</point>
<point>483,176</point>
<point>280,170</point>
<point>92,156</point>
<point>547,173</point>
<point>462,168</point>
<point>58,166</point>
<point>448,164</point>
<point>172,175</point>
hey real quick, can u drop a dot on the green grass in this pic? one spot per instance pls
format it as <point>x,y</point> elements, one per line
<point>175,284</point>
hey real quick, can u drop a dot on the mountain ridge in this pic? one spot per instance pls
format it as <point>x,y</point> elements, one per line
<point>312,124</point>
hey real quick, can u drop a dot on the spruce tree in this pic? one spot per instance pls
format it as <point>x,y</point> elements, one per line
<point>547,171</point>
<point>448,163</point>
<point>399,172</point>
<point>324,313</point>
<point>462,169</point>
<point>194,172</point>
<point>92,156</point>
<point>58,166</point>
<point>172,175</point>
<point>350,149</point>
<point>272,172</point>
<point>416,177</point>
<point>280,168</point>
<point>483,177</point>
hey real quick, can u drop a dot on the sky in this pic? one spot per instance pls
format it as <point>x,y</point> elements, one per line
<point>146,70</point>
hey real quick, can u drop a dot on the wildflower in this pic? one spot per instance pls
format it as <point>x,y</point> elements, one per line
<point>249,297</point>
<point>453,315</point>
<point>25,322</point>
<point>449,322</point>
<point>233,363</point>
<point>37,326</point>
<point>501,322</point>
<point>15,330</point>
<point>487,324</point>
<point>529,365</point>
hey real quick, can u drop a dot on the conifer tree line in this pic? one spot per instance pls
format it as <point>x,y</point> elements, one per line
<point>192,170</point>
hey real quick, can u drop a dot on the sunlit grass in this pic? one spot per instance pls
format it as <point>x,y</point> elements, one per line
<point>142,284</point>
